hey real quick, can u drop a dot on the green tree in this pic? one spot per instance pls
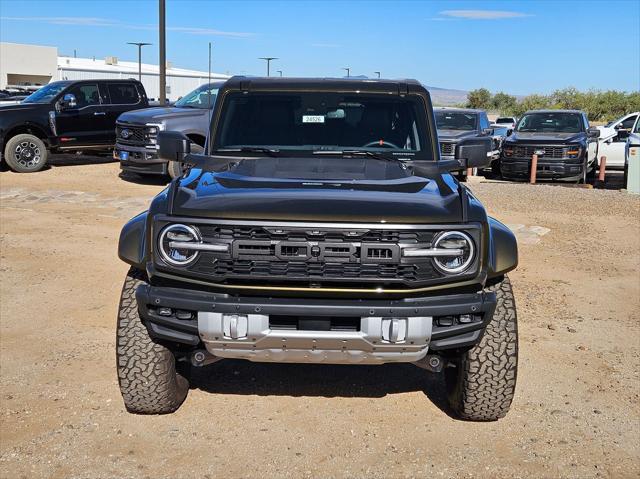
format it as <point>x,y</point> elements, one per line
<point>480,98</point>
<point>504,103</point>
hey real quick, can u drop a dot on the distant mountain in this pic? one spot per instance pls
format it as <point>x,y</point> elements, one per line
<point>447,97</point>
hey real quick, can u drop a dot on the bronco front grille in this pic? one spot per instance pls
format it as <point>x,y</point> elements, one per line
<point>313,256</point>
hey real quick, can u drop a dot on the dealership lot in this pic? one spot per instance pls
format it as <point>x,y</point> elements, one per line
<point>576,411</point>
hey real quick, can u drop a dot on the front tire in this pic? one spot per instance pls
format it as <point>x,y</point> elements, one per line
<point>481,385</point>
<point>25,153</point>
<point>147,373</point>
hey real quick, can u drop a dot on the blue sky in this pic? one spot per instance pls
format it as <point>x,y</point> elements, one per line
<point>514,46</point>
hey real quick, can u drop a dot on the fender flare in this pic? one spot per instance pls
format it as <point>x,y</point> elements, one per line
<point>503,249</point>
<point>132,242</point>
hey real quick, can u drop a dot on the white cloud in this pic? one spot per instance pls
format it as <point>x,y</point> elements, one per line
<point>483,14</point>
<point>105,22</point>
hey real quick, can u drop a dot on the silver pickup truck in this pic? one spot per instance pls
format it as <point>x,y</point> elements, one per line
<point>136,131</point>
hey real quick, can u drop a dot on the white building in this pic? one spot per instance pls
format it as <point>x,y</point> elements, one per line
<point>22,65</point>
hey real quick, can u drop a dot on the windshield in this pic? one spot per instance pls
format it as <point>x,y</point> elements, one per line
<point>46,93</point>
<point>636,129</point>
<point>504,120</point>
<point>312,121</point>
<point>202,97</point>
<point>447,120</point>
<point>551,122</point>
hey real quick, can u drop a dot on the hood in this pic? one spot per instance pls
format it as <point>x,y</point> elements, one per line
<point>25,106</point>
<point>147,115</point>
<point>455,134</point>
<point>264,189</point>
<point>546,137</point>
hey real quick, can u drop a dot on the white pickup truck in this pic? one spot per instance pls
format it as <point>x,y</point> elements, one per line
<point>613,139</point>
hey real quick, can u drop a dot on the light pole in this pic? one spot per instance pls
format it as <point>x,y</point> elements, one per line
<point>268,60</point>
<point>140,45</point>
<point>279,71</point>
<point>163,53</point>
<point>348,71</point>
<point>377,73</point>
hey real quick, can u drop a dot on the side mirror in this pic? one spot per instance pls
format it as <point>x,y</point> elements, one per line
<point>487,131</point>
<point>474,153</point>
<point>68,101</point>
<point>173,145</point>
<point>593,133</point>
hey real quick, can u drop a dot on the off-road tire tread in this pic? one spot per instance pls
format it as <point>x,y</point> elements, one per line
<point>147,373</point>
<point>485,379</point>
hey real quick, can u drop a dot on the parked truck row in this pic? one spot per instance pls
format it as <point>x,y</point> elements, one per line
<point>113,117</point>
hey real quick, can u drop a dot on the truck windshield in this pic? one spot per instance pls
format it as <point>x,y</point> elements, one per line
<point>46,93</point>
<point>448,120</point>
<point>550,122</point>
<point>504,120</point>
<point>202,97</point>
<point>312,121</point>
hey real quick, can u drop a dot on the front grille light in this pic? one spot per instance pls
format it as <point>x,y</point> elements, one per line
<point>462,252</point>
<point>177,244</point>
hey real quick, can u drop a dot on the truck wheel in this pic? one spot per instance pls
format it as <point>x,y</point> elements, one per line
<point>25,153</point>
<point>481,385</point>
<point>176,169</point>
<point>147,373</point>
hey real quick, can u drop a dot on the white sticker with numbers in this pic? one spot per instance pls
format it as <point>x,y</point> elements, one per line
<point>312,118</point>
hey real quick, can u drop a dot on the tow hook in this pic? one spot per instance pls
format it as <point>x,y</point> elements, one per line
<point>431,362</point>
<point>202,358</point>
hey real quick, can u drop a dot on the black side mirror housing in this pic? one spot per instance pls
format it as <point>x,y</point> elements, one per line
<point>474,153</point>
<point>173,145</point>
<point>487,131</point>
<point>593,133</point>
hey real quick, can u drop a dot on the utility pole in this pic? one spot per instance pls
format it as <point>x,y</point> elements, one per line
<point>163,53</point>
<point>377,73</point>
<point>268,60</point>
<point>348,71</point>
<point>280,71</point>
<point>140,45</point>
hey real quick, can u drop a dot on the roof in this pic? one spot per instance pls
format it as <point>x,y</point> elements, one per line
<point>99,65</point>
<point>554,111</point>
<point>324,84</point>
<point>461,110</point>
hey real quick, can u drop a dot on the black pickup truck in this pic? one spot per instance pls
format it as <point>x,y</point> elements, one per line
<point>319,226</point>
<point>566,147</point>
<point>65,115</point>
<point>458,126</point>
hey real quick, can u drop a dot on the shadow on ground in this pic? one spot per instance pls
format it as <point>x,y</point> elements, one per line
<point>316,380</point>
<point>72,159</point>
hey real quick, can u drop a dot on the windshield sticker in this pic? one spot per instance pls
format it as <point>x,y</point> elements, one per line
<point>312,118</point>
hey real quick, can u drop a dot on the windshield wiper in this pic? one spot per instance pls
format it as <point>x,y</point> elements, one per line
<point>252,149</point>
<point>371,154</point>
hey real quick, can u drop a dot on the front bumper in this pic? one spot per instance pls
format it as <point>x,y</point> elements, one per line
<point>242,328</point>
<point>140,159</point>
<point>547,168</point>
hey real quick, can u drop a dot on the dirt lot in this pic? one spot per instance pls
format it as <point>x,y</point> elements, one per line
<point>576,411</point>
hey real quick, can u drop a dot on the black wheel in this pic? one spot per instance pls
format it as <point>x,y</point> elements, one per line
<point>625,175</point>
<point>495,167</point>
<point>462,176</point>
<point>583,177</point>
<point>147,374</point>
<point>176,169</point>
<point>481,385</point>
<point>25,153</point>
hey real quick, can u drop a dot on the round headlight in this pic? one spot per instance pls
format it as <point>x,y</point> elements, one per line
<point>173,244</point>
<point>461,255</point>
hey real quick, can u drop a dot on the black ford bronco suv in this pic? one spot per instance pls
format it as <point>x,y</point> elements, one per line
<point>319,226</point>
<point>65,116</point>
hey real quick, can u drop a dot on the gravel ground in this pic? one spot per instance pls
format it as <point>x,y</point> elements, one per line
<point>576,411</point>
